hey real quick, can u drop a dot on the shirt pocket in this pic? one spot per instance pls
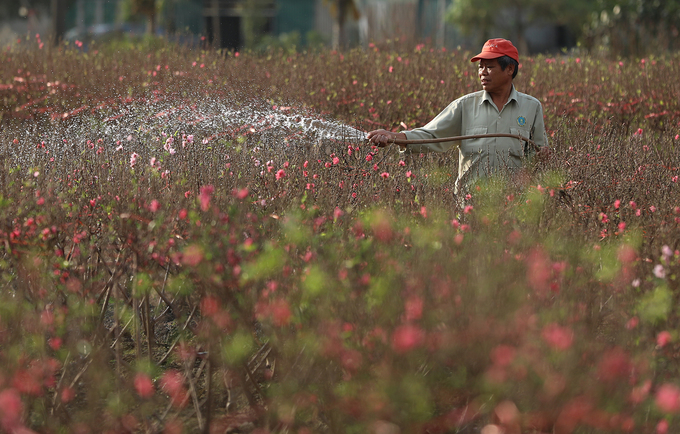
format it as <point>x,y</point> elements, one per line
<point>471,146</point>
<point>521,148</point>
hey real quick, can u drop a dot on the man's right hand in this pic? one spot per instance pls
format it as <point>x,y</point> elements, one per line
<point>383,138</point>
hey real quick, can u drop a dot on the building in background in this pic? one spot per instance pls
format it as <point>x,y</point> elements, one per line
<point>237,24</point>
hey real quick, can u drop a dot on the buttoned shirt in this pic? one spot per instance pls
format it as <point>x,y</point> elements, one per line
<point>476,113</point>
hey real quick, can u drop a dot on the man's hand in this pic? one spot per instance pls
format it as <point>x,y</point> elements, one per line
<point>383,138</point>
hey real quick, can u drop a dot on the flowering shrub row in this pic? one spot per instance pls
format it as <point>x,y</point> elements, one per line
<point>262,280</point>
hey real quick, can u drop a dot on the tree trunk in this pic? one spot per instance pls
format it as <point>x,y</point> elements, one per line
<point>58,20</point>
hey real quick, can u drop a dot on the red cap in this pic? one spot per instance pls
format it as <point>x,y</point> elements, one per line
<point>495,48</point>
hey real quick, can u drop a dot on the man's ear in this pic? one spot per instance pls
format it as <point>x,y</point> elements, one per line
<point>510,69</point>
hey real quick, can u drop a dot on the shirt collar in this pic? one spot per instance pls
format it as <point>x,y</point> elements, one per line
<point>513,96</point>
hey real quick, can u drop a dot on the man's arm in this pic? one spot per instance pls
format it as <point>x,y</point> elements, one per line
<point>382,138</point>
<point>445,124</point>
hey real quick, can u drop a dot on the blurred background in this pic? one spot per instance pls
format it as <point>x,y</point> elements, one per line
<point>621,27</point>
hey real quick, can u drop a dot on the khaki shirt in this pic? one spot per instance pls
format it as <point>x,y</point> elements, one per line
<point>476,113</point>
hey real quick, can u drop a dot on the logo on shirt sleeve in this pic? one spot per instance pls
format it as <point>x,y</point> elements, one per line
<point>521,121</point>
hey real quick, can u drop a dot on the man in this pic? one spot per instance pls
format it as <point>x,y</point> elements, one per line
<point>498,108</point>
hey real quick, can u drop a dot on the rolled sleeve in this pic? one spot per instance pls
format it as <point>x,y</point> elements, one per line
<point>445,124</point>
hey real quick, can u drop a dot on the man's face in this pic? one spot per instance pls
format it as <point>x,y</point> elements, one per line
<point>491,76</point>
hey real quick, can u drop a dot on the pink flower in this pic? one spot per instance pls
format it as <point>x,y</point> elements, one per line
<point>192,255</point>
<point>154,206</point>
<point>663,338</point>
<point>668,398</point>
<point>369,157</point>
<point>280,311</point>
<point>409,174</point>
<point>413,308</point>
<point>558,337</point>
<point>11,408</point>
<point>336,160</point>
<point>205,196</point>
<point>652,208</point>
<point>144,385</point>
<point>503,355</point>
<point>133,159</point>
<point>407,337</point>
<point>240,193</point>
<point>280,174</point>
<point>659,271</point>
<point>617,203</point>
<point>337,213</point>
<point>385,175</point>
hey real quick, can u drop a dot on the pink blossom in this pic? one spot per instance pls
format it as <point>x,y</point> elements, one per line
<point>667,398</point>
<point>652,208</point>
<point>663,338</point>
<point>133,159</point>
<point>280,174</point>
<point>407,337</point>
<point>413,308</point>
<point>632,204</point>
<point>558,337</point>
<point>205,196</point>
<point>369,157</point>
<point>336,160</point>
<point>144,385</point>
<point>154,206</point>
<point>409,174</point>
<point>662,427</point>
<point>385,175</point>
<point>11,408</point>
<point>240,193</point>
<point>659,271</point>
<point>666,252</point>
<point>617,204</point>
<point>337,213</point>
<point>503,355</point>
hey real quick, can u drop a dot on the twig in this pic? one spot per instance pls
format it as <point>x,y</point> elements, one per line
<point>192,391</point>
<point>172,347</point>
